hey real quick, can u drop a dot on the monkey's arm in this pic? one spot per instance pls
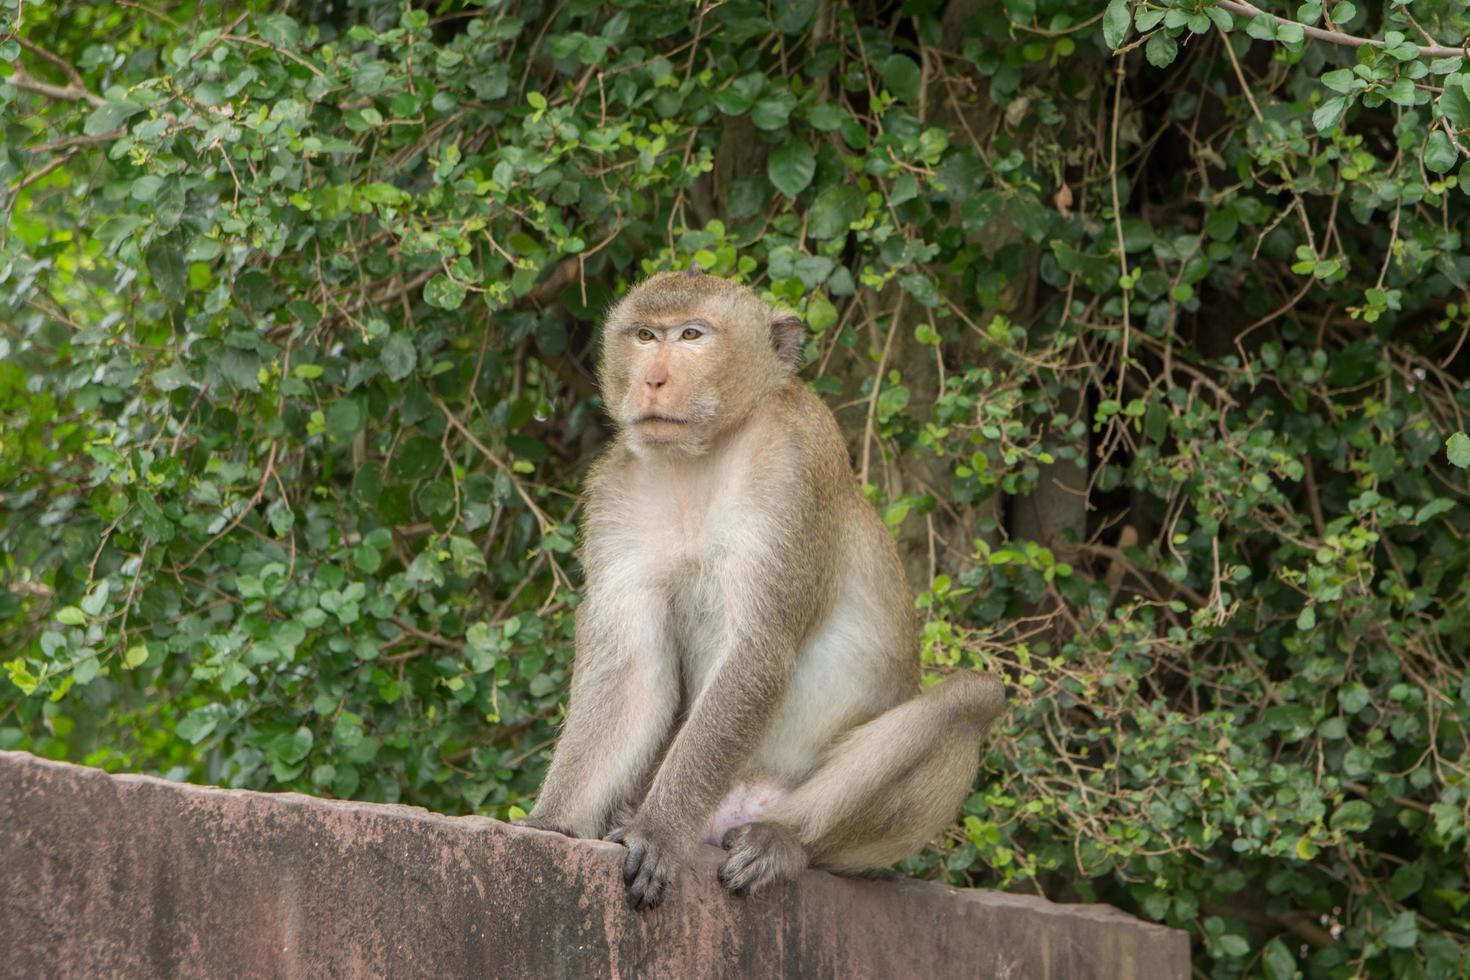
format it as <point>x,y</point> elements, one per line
<point>725,725</point>
<point>625,695</point>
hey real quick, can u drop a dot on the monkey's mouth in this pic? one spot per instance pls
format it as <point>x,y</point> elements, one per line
<point>660,418</point>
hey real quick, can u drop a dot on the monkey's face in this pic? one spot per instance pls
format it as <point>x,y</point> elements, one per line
<point>686,357</point>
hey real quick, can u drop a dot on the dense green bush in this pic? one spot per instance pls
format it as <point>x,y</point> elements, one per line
<point>1148,357</point>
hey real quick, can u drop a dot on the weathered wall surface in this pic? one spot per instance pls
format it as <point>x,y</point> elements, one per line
<point>138,877</point>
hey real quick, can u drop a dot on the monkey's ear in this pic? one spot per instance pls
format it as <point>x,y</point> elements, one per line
<point>787,337</point>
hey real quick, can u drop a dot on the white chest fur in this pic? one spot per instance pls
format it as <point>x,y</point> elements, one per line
<point>686,523</point>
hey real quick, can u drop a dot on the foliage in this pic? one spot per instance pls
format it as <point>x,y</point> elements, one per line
<point>1146,324</point>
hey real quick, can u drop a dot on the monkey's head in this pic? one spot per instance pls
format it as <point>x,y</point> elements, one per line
<point>686,356</point>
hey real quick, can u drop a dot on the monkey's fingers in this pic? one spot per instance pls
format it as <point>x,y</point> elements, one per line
<point>637,848</point>
<point>647,871</point>
<point>648,890</point>
<point>536,823</point>
<point>617,835</point>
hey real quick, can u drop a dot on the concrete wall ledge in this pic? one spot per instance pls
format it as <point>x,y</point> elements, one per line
<point>134,876</point>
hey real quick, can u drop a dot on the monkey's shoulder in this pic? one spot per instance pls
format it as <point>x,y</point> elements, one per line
<point>811,429</point>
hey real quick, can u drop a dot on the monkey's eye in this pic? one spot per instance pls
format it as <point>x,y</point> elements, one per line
<point>691,333</point>
<point>645,335</point>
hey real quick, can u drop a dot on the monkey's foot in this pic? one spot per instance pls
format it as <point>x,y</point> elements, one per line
<point>760,853</point>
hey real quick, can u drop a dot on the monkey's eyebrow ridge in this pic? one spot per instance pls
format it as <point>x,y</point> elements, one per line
<point>632,329</point>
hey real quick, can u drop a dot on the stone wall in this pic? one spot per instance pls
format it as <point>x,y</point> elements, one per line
<point>138,877</point>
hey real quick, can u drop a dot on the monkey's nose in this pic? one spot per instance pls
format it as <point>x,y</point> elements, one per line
<point>656,381</point>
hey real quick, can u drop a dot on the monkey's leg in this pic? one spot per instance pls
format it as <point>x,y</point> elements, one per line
<point>887,788</point>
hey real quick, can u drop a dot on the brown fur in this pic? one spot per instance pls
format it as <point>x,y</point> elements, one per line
<point>746,648</point>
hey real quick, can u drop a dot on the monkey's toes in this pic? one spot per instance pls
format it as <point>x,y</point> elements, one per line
<point>760,853</point>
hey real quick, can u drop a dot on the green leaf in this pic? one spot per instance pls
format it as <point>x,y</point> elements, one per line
<point>197,724</point>
<point>1406,881</point>
<point>445,293</point>
<point>1439,154</point>
<point>791,167</point>
<point>117,226</point>
<point>71,616</point>
<point>793,16</point>
<point>1289,33</point>
<point>826,117</point>
<point>166,266</point>
<point>1457,448</point>
<point>241,368</point>
<point>135,656</point>
<point>344,418</point>
<point>398,356</point>
<point>834,211</point>
<point>152,519</point>
<point>109,116</point>
<point>381,193</point>
<point>1233,945</point>
<point>21,676</point>
<point>1222,224</point>
<point>771,112</point>
<point>1329,113</point>
<point>418,457</point>
<point>1431,510</point>
<point>1262,27</point>
<point>1353,816</point>
<point>291,748</point>
<point>1342,80</point>
<point>1454,104</point>
<point>280,30</point>
<point>145,188</point>
<point>902,77</point>
<point>737,98</point>
<point>1115,23</point>
<point>1161,49</point>
<point>1403,932</point>
<point>1401,92</point>
<point>1277,961</point>
<point>257,291</point>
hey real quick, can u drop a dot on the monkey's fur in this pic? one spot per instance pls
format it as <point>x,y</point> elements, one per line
<point>747,666</point>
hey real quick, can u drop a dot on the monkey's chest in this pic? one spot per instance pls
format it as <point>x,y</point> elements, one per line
<point>690,536</point>
<point>699,622</point>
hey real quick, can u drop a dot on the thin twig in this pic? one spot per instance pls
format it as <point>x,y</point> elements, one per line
<point>1118,224</point>
<point>878,384</point>
<point>1336,37</point>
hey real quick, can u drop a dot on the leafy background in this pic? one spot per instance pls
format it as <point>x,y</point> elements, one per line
<point>1146,325</point>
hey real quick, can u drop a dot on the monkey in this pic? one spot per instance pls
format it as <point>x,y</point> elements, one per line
<point>746,666</point>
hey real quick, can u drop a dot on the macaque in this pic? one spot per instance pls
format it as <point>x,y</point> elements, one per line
<point>747,657</point>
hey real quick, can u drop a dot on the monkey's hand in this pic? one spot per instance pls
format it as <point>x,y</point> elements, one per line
<point>653,860</point>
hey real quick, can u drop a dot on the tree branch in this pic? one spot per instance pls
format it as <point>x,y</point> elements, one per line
<point>76,91</point>
<point>24,80</point>
<point>1243,9</point>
